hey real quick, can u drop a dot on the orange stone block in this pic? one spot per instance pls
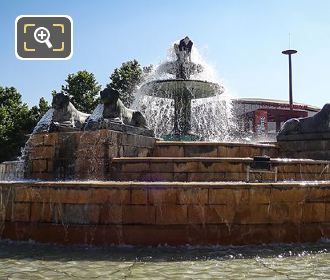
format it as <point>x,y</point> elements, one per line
<point>226,167</point>
<point>318,194</point>
<point>285,212</point>
<point>229,176</point>
<point>288,194</point>
<point>223,151</point>
<point>163,196</point>
<point>43,152</point>
<point>50,165</point>
<point>51,139</point>
<point>230,196</point>
<point>210,214</point>
<point>36,140</point>
<point>160,167</point>
<point>193,196</point>
<point>251,214</point>
<point>67,195</point>
<point>205,177</point>
<point>259,195</point>
<point>39,165</point>
<point>135,167</point>
<point>139,214</point>
<point>313,212</point>
<point>171,214</point>
<point>41,212</point>
<point>21,212</point>
<point>180,177</point>
<point>169,151</point>
<point>200,151</point>
<point>233,151</point>
<point>327,213</point>
<point>112,196</point>
<point>186,166</point>
<point>111,214</point>
<point>143,152</point>
<point>42,176</point>
<point>139,196</point>
<point>23,194</point>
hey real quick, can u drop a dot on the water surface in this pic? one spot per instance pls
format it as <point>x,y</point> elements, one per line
<point>38,261</point>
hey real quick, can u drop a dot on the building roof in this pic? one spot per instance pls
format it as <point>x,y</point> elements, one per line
<point>276,103</point>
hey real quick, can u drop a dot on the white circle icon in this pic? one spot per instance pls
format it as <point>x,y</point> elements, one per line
<point>42,35</point>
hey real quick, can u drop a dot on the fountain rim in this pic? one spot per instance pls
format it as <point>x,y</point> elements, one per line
<point>181,80</point>
<point>157,85</point>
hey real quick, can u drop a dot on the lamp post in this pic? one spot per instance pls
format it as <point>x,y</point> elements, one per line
<point>289,53</point>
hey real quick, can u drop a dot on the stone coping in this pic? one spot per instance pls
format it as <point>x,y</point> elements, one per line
<point>305,136</point>
<point>206,143</point>
<point>130,184</point>
<point>214,159</point>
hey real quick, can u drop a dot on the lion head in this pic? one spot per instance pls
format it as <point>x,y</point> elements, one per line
<point>109,96</point>
<point>60,101</point>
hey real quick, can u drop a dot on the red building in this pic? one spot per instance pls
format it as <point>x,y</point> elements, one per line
<point>265,116</point>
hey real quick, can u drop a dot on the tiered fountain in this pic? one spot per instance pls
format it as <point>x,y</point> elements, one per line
<point>182,89</point>
<point>105,179</point>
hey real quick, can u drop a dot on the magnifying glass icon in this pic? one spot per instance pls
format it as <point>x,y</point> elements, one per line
<point>41,35</point>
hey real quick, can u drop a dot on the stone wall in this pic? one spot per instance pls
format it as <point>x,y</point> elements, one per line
<point>212,169</point>
<point>313,146</point>
<point>81,155</point>
<point>213,149</point>
<point>106,213</point>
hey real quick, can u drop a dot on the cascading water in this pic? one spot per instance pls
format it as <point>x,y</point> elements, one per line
<point>211,114</point>
<point>45,120</point>
<point>14,170</point>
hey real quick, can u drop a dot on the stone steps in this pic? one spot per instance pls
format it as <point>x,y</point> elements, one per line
<point>212,149</point>
<point>213,169</point>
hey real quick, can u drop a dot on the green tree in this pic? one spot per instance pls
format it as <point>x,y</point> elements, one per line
<point>83,89</point>
<point>15,123</point>
<point>125,79</point>
<point>36,112</point>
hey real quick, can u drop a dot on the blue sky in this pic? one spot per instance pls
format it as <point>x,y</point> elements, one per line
<point>243,40</point>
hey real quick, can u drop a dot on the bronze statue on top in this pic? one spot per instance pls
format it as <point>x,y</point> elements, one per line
<point>183,67</point>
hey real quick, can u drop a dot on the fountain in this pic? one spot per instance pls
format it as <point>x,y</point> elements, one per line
<point>182,89</point>
<point>182,99</point>
<point>104,178</point>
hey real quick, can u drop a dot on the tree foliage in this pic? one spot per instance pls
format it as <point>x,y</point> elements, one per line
<point>37,112</point>
<point>125,79</point>
<point>15,122</point>
<point>83,89</point>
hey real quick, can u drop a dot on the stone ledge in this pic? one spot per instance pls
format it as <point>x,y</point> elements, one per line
<point>304,137</point>
<point>132,184</point>
<point>213,159</point>
<point>204,143</point>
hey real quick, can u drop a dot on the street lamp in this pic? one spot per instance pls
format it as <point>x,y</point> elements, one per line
<point>289,53</point>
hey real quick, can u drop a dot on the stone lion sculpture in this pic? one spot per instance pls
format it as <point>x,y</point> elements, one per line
<point>63,116</point>
<point>115,109</point>
<point>318,123</point>
<point>112,111</point>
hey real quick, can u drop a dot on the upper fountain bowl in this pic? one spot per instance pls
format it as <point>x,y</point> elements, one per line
<point>170,88</point>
